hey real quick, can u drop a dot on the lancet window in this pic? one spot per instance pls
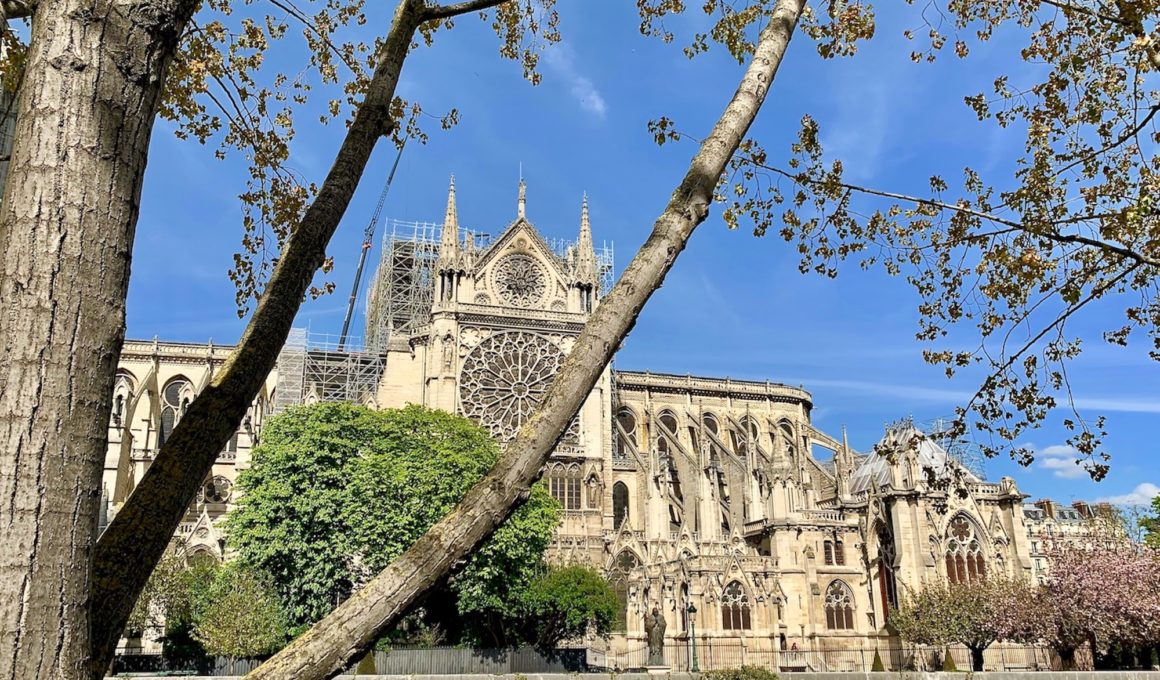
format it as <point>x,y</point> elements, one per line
<point>618,577</point>
<point>835,553</point>
<point>735,608</point>
<point>964,558</point>
<point>175,400</point>
<point>887,583</point>
<point>564,484</point>
<point>626,433</point>
<point>839,606</point>
<point>122,396</point>
<point>619,504</point>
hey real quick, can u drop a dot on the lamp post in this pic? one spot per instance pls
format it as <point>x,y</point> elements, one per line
<point>692,612</point>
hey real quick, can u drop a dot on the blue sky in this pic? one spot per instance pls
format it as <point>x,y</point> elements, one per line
<point>734,305</point>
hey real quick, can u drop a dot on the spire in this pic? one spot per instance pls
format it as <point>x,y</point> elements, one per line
<point>449,239</point>
<point>521,206</point>
<point>585,252</point>
<point>451,220</point>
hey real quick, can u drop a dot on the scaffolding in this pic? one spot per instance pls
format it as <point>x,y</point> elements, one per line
<point>400,296</point>
<point>311,369</point>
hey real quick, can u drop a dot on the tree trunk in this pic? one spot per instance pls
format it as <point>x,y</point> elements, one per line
<point>137,537</point>
<point>977,658</point>
<point>1067,659</point>
<point>90,91</point>
<point>346,633</point>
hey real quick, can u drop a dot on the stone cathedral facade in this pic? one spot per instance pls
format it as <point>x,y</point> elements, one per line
<point>684,490</point>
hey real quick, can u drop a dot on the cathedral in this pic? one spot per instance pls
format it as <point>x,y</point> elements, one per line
<point>701,496</point>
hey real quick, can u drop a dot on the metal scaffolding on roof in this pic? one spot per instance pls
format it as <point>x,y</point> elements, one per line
<point>401,293</point>
<point>312,369</point>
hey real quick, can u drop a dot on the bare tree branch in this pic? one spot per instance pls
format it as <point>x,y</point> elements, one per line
<point>433,12</point>
<point>1116,248</point>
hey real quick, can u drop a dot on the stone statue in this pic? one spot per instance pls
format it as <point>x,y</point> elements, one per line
<point>654,628</point>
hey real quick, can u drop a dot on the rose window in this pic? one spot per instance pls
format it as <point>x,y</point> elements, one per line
<point>520,280</point>
<point>505,377</point>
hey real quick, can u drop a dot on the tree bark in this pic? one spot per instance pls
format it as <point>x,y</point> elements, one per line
<point>346,633</point>
<point>137,537</point>
<point>91,87</point>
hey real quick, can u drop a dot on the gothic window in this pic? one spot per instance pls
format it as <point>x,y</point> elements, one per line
<point>505,377</point>
<point>735,609</point>
<point>787,436</point>
<point>839,554</point>
<point>564,484</point>
<point>626,419</point>
<point>619,504</point>
<point>618,577</point>
<point>887,583</point>
<point>123,391</point>
<point>710,422</point>
<point>964,556</point>
<point>520,280</point>
<point>175,398</point>
<point>828,551</point>
<point>839,606</point>
<point>217,490</point>
<point>746,438</point>
<point>669,422</point>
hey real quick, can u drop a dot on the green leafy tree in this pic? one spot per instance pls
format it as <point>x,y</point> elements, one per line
<point>1150,523</point>
<point>242,617</point>
<point>337,491</point>
<point>568,602</point>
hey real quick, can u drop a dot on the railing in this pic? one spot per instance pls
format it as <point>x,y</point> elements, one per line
<point>715,654</point>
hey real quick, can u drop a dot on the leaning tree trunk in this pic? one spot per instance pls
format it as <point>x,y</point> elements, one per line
<point>977,658</point>
<point>87,102</point>
<point>346,633</point>
<point>137,537</point>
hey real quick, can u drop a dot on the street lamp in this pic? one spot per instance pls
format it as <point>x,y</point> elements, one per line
<point>692,612</point>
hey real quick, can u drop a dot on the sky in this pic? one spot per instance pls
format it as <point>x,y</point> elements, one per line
<point>734,305</point>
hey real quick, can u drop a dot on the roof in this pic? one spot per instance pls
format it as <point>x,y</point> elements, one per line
<point>875,469</point>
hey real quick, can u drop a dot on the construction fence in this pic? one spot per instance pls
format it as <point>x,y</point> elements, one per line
<point>716,654</point>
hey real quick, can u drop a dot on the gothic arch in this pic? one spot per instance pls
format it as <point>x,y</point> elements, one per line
<point>964,549</point>
<point>124,388</point>
<point>620,504</point>
<point>736,607</point>
<point>839,606</point>
<point>619,576</point>
<point>626,434</point>
<point>176,397</point>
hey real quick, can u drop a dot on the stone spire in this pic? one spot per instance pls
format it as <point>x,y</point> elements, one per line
<point>521,205</point>
<point>449,240</point>
<point>586,270</point>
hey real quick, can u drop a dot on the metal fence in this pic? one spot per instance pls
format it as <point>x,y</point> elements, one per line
<point>397,661</point>
<point>715,654</point>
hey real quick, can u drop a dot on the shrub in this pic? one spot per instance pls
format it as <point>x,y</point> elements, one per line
<point>877,666</point>
<point>949,663</point>
<point>742,673</point>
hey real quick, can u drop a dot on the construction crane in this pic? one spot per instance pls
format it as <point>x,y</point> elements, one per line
<point>368,241</point>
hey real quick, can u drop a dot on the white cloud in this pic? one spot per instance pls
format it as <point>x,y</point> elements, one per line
<point>1141,495</point>
<point>1060,460</point>
<point>562,60</point>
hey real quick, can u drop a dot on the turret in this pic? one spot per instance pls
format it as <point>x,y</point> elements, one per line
<point>522,203</point>
<point>450,262</point>
<point>586,271</point>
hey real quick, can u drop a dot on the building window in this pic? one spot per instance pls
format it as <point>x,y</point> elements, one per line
<point>887,584</point>
<point>626,432</point>
<point>618,577</point>
<point>564,484</point>
<point>175,400</point>
<point>828,551</point>
<point>839,554</point>
<point>619,504</point>
<point>839,607</point>
<point>964,558</point>
<point>735,613</point>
